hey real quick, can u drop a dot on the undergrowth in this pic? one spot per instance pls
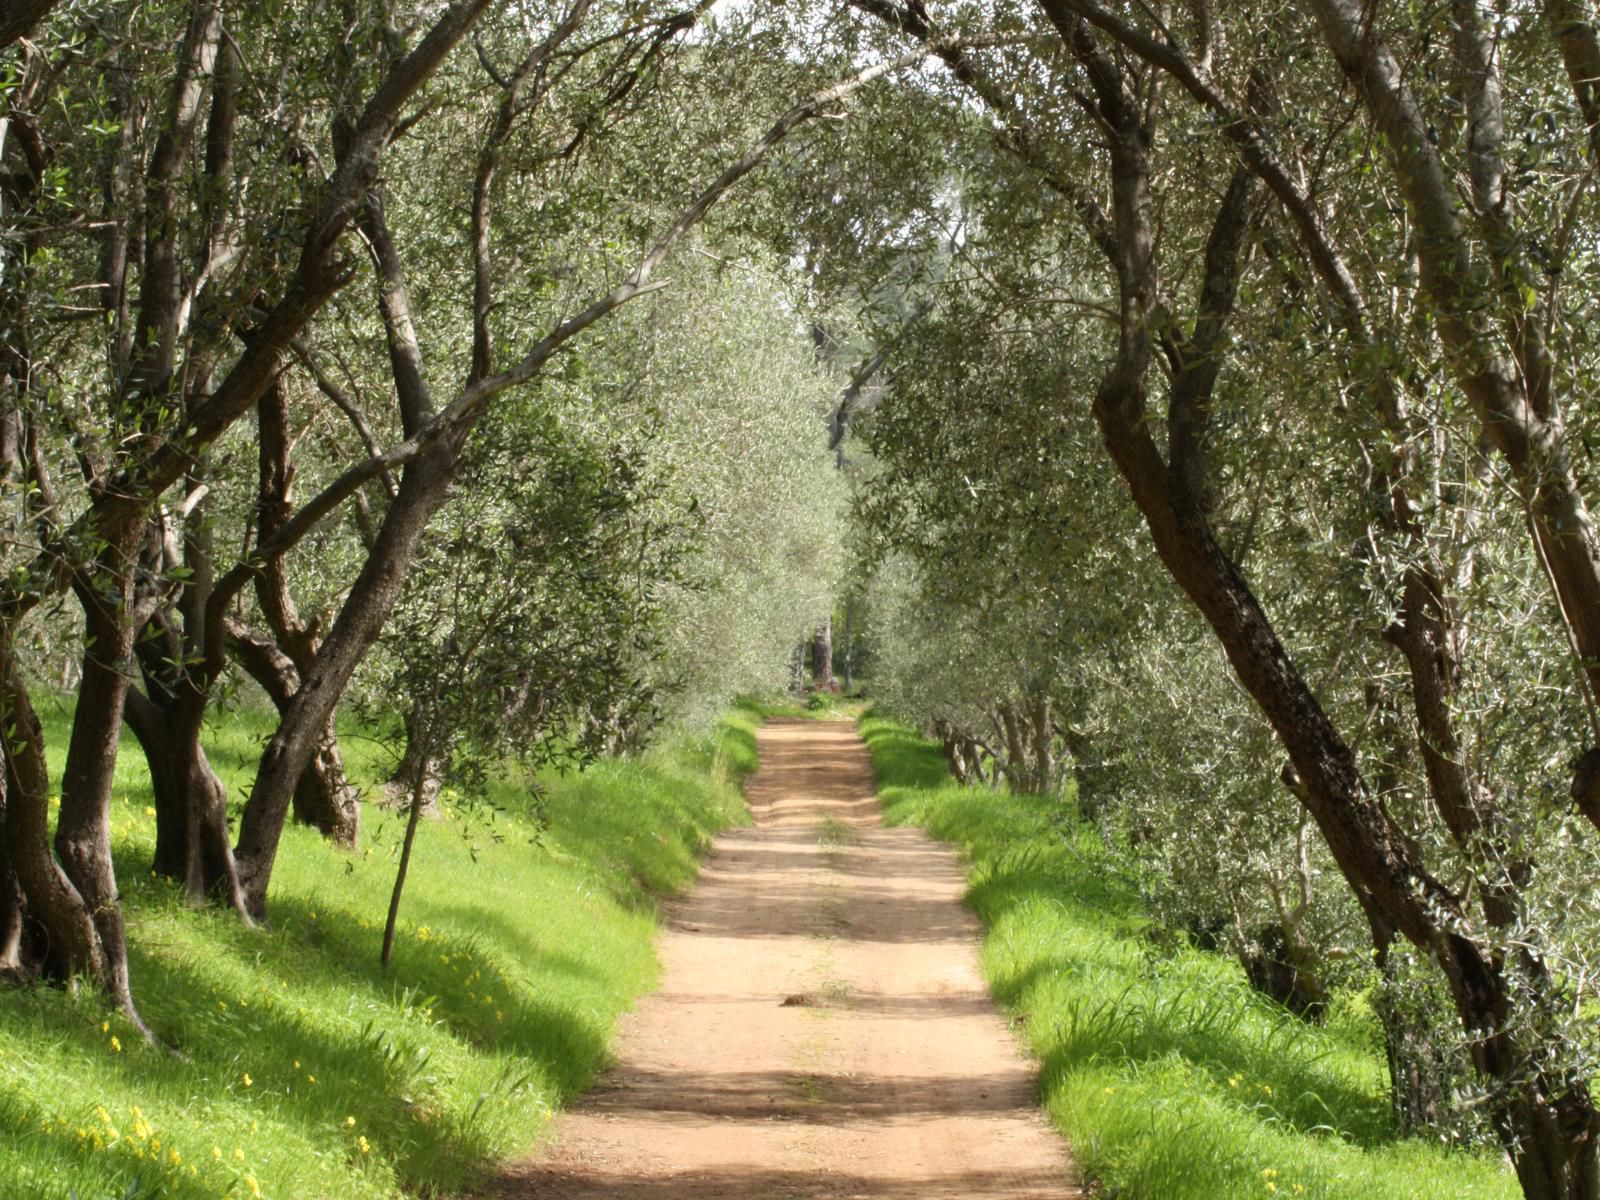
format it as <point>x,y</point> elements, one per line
<point>292,1066</point>
<point>1170,1077</point>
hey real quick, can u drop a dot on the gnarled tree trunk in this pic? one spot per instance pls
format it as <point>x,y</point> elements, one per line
<point>193,843</point>
<point>323,798</point>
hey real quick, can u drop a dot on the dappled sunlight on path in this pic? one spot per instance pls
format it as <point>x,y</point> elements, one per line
<point>822,1032</point>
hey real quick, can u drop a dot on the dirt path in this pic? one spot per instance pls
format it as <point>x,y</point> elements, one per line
<point>822,1032</point>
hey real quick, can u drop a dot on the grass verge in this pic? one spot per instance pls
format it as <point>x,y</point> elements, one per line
<point>303,1070</point>
<point>1171,1078</point>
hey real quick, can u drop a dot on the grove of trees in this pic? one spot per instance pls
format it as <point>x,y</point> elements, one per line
<point>1211,383</point>
<point>286,296</point>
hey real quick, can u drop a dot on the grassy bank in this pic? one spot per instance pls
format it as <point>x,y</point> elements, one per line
<point>1171,1078</point>
<point>304,1071</point>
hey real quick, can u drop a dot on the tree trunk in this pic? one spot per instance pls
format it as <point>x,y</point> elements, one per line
<point>1016,750</point>
<point>1044,759</point>
<point>323,798</point>
<point>1422,1072</point>
<point>20,955</point>
<point>972,757</point>
<point>848,672</point>
<point>75,892</point>
<point>69,943</point>
<point>192,838</point>
<point>19,18</point>
<point>413,816</point>
<point>1281,965</point>
<point>422,489</point>
<point>950,744</point>
<point>822,657</point>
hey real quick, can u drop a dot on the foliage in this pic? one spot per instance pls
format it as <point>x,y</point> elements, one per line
<point>519,634</point>
<point>735,402</point>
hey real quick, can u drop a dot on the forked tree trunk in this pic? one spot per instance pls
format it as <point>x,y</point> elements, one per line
<point>1281,965</point>
<point>193,844</point>
<point>973,758</point>
<point>39,892</point>
<point>72,892</point>
<point>323,797</point>
<point>422,489</point>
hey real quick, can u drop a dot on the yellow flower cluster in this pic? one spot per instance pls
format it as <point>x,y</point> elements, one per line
<point>1269,1177</point>
<point>136,1138</point>
<point>1264,1088</point>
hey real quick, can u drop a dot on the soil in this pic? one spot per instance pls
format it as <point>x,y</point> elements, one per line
<point>822,1031</point>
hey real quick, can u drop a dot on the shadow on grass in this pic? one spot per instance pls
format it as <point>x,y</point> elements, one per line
<point>298,1026</point>
<point>1064,950</point>
<point>638,865</point>
<point>375,1074</point>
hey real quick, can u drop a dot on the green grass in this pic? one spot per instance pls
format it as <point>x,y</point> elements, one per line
<point>301,1069</point>
<point>1171,1078</point>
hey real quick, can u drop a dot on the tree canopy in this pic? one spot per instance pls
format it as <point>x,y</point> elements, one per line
<point>1207,389</point>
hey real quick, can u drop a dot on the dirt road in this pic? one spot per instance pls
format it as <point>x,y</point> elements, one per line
<point>822,1032</point>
